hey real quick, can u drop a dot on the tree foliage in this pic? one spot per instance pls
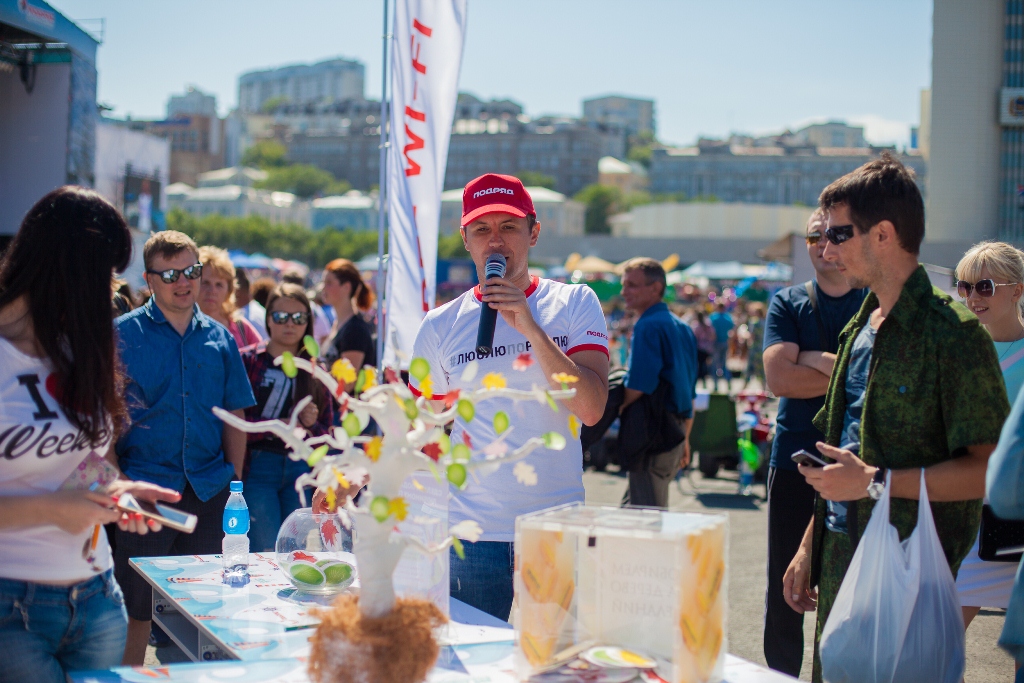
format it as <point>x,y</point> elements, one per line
<point>265,154</point>
<point>291,241</point>
<point>536,179</point>
<point>304,181</point>
<point>601,202</point>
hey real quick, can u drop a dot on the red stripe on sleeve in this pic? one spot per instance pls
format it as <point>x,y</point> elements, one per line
<point>588,347</point>
<point>415,392</point>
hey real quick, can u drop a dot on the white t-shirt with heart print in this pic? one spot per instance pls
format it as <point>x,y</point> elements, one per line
<point>39,450</point>
<point>571,315</point>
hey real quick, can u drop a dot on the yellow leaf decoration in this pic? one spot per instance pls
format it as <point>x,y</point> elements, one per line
<point>565,378</point>
<point>574,426</point>
<point>332,499</point>
<point>371,378</point>
<point>373,448</point>
<point>343,371</point>
<point>494,380</point>
<point>342,481</point>
<point>427,387</point>
<point>398,508</point>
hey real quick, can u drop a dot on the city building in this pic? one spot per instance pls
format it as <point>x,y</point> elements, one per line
<point>193,103</point>
<point>132,170</point>
<point>333,80</point>
<point>627,176</point>
<point>194,130</point>
<point>556,213</point>
<point>831,134</point>
<point>635,115</point>
<point>243,176</point>
<point>786,171</point>
<point>350,211</point>
<point>236,201</point>
<point>720,220</point>
<point>976,122</point>
<point>563,148</point>
<point>48,108</point>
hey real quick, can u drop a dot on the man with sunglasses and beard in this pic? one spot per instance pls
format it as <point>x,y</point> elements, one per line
<point>916,386</point>
<point>179,363</point>
<point>800,342</point>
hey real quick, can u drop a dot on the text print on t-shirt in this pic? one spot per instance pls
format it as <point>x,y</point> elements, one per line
<point>19,439</point>
<point>506,350</point>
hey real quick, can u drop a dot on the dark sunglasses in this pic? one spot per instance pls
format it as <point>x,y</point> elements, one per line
<point>171,275</point>
<point>837,234</point>
<point>813,237</point>
<point>984,288</point>
<point>282,318</point>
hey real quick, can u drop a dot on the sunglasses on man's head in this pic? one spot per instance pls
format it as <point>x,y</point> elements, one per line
<point>984,288</point>
<point>171,275</point>
<point>281,318</point>
<point>837,234</point>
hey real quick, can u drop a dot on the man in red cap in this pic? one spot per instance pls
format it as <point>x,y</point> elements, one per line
<point>544,328</point>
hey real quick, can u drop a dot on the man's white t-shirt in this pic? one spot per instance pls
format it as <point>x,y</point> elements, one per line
<point>39,449</point>
<point>571,315</point>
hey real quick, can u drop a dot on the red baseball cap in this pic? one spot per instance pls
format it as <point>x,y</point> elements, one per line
<point>494,193</point>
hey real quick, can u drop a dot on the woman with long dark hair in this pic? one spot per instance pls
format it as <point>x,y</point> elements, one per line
<point>62,397</point>
<point>351,336</point>
<point>269,474</point>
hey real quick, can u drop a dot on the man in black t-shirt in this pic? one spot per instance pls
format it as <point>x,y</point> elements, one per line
<point>800,340</point>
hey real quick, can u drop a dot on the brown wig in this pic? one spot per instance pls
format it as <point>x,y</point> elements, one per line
<point>61,261</point>
<point>345,271</point>
<point>305,385</point>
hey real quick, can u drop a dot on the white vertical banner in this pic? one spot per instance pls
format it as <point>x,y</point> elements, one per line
<point>425,62</point>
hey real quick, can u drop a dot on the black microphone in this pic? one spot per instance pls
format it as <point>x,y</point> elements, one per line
<point>494,267</point>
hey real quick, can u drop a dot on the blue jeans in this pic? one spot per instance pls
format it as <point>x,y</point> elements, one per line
<point>484,578</point>
<point>718,362</point>
<point>47,631</point>
<point>271,496</point>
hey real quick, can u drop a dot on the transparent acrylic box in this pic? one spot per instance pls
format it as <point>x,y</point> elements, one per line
<point>648,581</point>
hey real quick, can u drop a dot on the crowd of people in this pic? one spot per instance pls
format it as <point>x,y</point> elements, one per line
<point>104,392</point>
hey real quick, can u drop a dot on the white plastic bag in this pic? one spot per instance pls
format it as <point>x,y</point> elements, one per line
<point>897,616</point>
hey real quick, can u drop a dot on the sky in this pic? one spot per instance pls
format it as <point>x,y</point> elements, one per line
<point>749,66</point>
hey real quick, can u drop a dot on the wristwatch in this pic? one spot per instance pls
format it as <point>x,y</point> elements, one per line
<point>877,486</point>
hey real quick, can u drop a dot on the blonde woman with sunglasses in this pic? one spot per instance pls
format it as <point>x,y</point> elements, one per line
<point>990,279</point>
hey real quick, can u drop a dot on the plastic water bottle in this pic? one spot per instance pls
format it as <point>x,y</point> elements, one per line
<point>236,538</point>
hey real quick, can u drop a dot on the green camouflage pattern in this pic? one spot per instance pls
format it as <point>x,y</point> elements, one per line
<point>934,388</point>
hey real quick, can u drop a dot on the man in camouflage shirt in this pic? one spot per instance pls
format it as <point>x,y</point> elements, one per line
<point>916,385</point>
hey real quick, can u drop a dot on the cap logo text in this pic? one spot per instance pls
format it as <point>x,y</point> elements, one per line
<point>492,190</point>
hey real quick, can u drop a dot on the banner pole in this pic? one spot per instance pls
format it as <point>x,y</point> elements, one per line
<point>381,191</point>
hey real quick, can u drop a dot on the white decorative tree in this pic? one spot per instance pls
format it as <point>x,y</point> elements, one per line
<point>413,440</point>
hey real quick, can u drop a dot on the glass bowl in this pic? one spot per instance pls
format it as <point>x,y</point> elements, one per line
<point>315,552</point>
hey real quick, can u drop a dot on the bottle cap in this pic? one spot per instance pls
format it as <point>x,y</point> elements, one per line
<point>236,487</point>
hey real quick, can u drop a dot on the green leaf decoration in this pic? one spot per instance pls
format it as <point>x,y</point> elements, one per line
<point>288,365</point>
<point>379,508</point>
<point>465,409</point>
<point>433,471</point>
<point>554,441</point>
<point>317,455</point>
<point>457,474</point>
<point>445,443</point>
<point>551,401</point>
<point>360,382</point>
<point>500,422</point>
<point>411,410</point>
<point>460,453</point>
<point>459,550</point>
<point>312,348</point>
<point>351,425</point>
<point>419,368</point>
